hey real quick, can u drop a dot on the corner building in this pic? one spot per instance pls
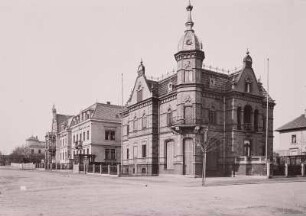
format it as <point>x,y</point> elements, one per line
<point>164,121</point>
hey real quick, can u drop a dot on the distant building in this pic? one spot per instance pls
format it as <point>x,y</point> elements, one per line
<point>35,145</point>
<point>96,133</point>
<point>293,137</point>
<point>164,120</point>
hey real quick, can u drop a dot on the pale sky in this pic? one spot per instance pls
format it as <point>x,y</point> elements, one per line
<point>71,53</point>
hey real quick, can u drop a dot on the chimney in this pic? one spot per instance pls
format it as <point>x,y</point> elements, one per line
<point>108,103</point>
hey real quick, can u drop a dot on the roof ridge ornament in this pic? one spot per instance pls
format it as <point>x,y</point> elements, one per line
<point>141,68</point>
<point>189,24</point>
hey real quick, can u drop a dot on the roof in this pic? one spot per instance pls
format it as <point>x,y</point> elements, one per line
<point>298,123</point>
<point>62,119</point>
<point>99,111</point>
<point>107,111</point>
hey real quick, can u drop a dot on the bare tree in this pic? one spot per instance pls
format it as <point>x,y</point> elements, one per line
<point>209,143</point>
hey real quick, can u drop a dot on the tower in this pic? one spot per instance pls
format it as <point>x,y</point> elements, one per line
<point>189,74</point>
<point>190,55</point>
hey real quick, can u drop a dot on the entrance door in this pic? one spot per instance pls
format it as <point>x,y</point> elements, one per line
<point>188,157</point>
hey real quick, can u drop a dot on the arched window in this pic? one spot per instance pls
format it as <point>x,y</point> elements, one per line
<point>144,121</point>
<point>169,117</point>
<point>248,86</point>
<point>256,115</point>
<point>239,118</point>
<point>247,117</point>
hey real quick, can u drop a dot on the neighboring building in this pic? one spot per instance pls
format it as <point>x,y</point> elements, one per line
<point>96,134</point>
<point>35,146</point>
<point>58,140</point>
<point>293,137</point>
<point>163,121</point>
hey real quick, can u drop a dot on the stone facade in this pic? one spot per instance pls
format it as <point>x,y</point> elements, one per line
<point>164,122</point>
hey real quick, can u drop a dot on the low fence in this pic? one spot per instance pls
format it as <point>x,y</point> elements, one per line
<point>23,166</point>
<point>97,169</point>
<point>55,166</point>
<point>288,170</point>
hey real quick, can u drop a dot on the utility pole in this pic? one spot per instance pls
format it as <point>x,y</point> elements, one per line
<point>267,114</point>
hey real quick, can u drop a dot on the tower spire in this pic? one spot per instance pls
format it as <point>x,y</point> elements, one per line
<point>189,24</point>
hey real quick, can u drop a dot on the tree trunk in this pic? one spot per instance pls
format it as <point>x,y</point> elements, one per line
<point>204,169</point>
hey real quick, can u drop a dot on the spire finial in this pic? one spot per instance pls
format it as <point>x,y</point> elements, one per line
<point>189,24</point>
<point>247,52</point>
<point>141,61</point>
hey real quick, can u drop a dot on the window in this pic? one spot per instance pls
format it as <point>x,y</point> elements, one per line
<point>73,138</point>
<point>107,154</point>
<point>39,151</point>
<point>144,151</point>
<point>169,117</point>
<point>127,129</point>
<point>144,121</point>
<point>109,135</point>
<point>293,138</point>
<point>248,86</point>
<point>87,151</point>
<point>84,135</point>
<point>135,152</point>
<point>239,118</point>
<point>80,136</point>
<point>256,120</point>
<point>170,87</point>
<point>127,153</point>
<point>113,154</point>
<point>32,151</point>
<point>139,93</point>
<point>88,135</point>
<point>188,114</point>
<point>110,154</point>
<point>247,117</point>
<point>188,76</point>
<point>212,116</point>
<point>264,123</point>
<point>135,124</point>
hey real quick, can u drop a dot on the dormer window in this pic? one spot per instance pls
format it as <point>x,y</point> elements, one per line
<point>139,93</point>
<point>248,86</point>
<point>170,87</point>
<point>212,82</point>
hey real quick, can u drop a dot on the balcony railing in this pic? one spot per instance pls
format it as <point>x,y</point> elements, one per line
<point>78,144</point>
<point>187,122</point>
